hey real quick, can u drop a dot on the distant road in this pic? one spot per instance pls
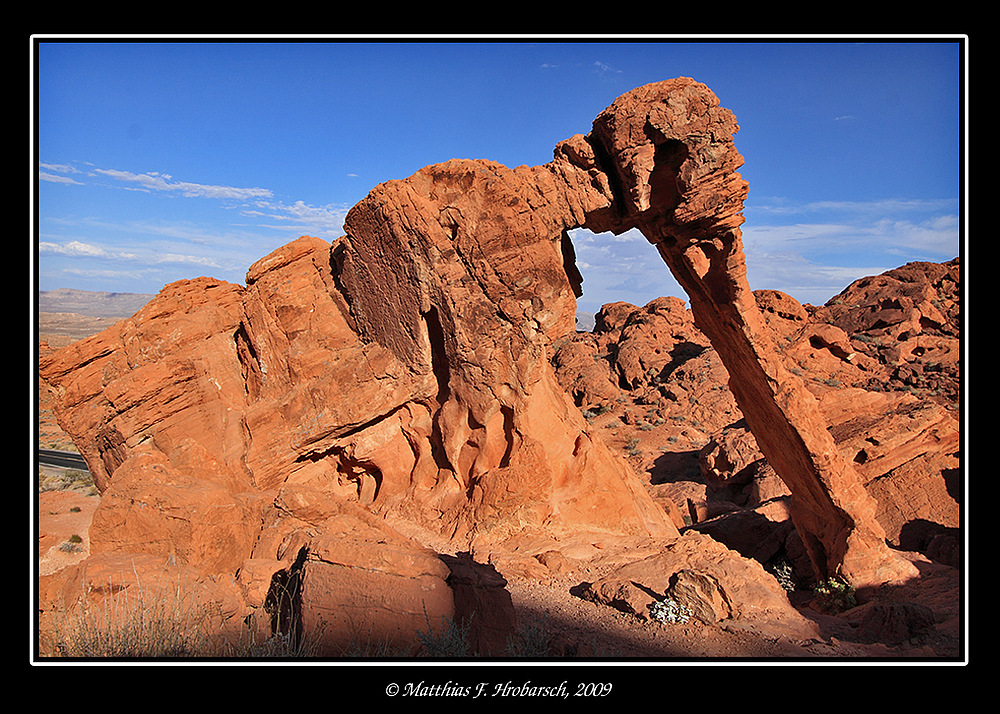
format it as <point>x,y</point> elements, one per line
<point>63,459</point>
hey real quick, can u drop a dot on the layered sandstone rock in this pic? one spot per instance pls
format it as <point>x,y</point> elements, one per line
<point>404,370</point>
<point>703,579</point>
<point>462,273</point>
<point>908,320</point>
<point>170,371</point>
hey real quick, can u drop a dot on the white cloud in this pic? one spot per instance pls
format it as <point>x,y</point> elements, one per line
<point>79,249</point>
<point>604,70</point>
<point>155,181</point>
<point>805,280</point>
<point>60,168</point>
<point>918,229</point>
<point>44,176</point>
<point>110,274</point>
<point>322,221</point>
<point>934,239</point>
<point>779,206</point>
<point>74,248</point>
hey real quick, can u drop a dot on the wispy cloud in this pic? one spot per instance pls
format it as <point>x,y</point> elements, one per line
<point>778,206</point>
<point>80,249</point>
<point>47,172</point>
<point>254,203</point>
<point>321,221</point>
<point>165,249</point>
<point>919,228</point>
<point>605,70</point>
<point>814,250</point>
<point>155,181</point>
<point>75,248</point>
<point>807,280</point>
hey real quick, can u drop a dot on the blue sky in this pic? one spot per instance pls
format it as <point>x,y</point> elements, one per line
<point>163,159</point>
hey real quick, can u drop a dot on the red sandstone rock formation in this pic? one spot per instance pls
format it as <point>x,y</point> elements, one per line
<point>404,370</point>
<point>907,319</point>
<point>461,273</point>
<point>368,406</point>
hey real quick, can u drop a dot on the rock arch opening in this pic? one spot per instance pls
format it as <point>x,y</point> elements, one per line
<point>615,268</point>
<point>569,264</point>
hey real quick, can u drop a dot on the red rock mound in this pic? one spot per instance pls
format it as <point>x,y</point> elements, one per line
<point>909,320</point>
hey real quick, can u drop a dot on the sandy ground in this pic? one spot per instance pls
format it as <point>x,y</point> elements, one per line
<point>61,516</point>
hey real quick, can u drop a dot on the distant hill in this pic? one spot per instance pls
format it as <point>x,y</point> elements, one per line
<point>91,304</point>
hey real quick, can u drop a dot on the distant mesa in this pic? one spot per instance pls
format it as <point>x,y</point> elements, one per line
<point>91,303</point>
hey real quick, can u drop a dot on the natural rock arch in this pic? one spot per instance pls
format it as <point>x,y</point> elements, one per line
<point>669,152</point>
<point>407,367</point>
<point>660,159</point>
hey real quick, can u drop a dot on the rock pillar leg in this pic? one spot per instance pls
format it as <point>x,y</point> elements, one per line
<point>831,510</point>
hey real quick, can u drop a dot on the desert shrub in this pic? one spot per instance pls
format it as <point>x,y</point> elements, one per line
<point>370,647</point>
<point>451,642</point>
<point>531,640</point>
<point>834,596</point>
<point>72,544</point>
<point>70,479</point>
<point>784,573</point>
<point>669,610</point>
<point>276,646</point>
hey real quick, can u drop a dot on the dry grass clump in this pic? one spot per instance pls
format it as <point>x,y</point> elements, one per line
<point>137,622</point>
<point>133,622</point>
<point>67,480</point>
